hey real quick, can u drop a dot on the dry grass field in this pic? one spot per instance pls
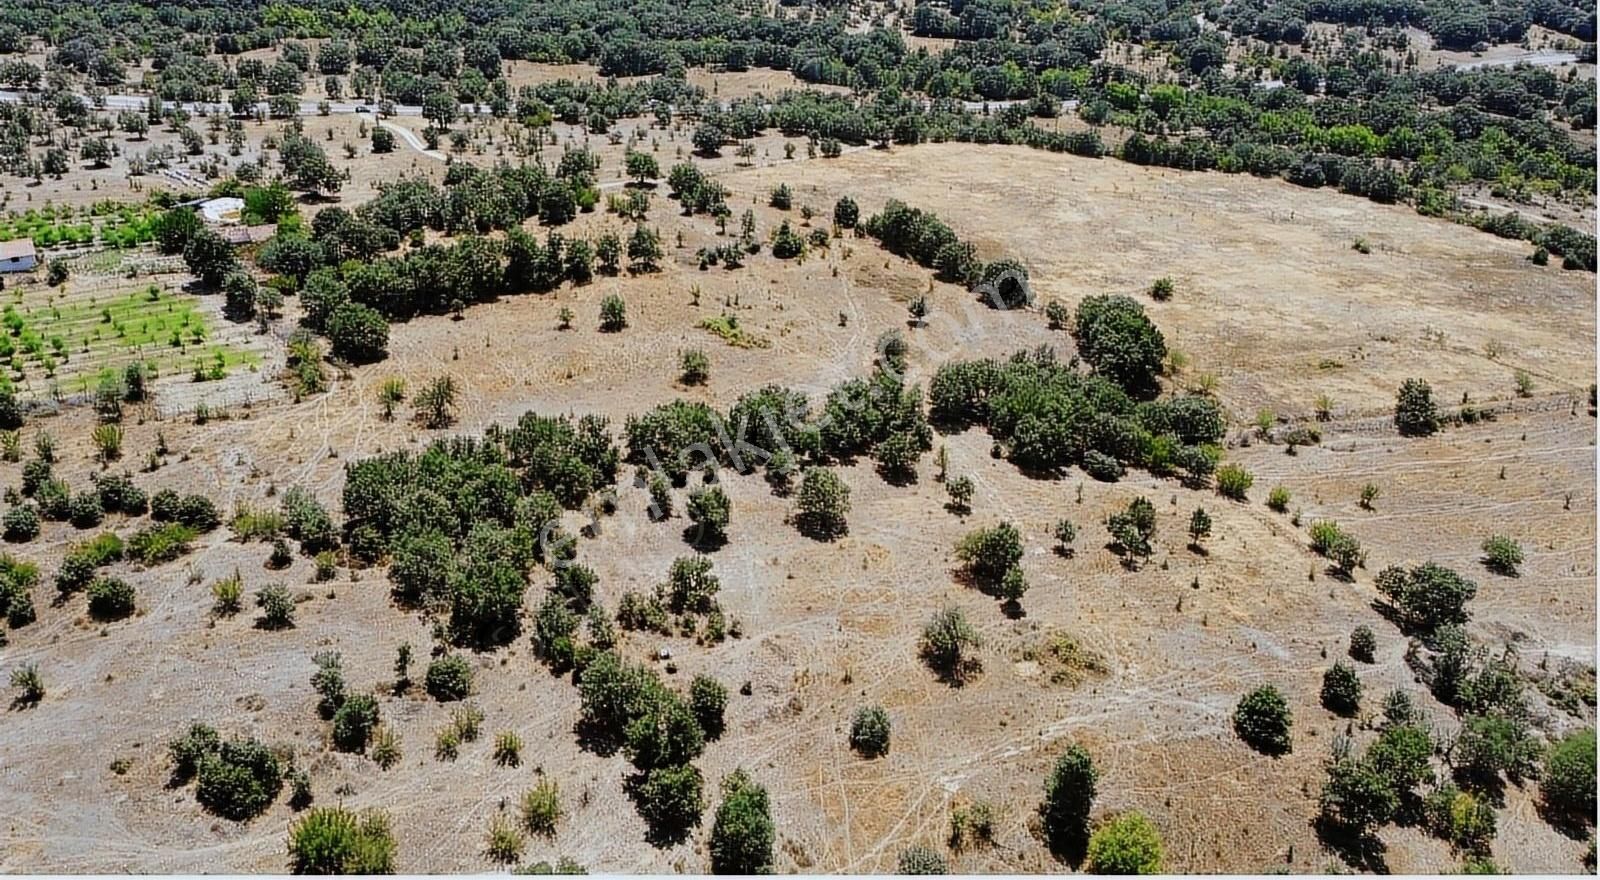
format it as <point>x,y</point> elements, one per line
<point>1272,303</point>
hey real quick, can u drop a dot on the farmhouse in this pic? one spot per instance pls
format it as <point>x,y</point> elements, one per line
<point>18,255</point>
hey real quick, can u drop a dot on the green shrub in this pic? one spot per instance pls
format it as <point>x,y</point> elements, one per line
<point>1278,499</point>
<point>694,367</point>
<point>1233,481</point>
<point>358,333</point>
<point>157,544</point>
<point>1467,822</point>
<point>1502,554</point>
<point>1568,783</point>
<point>1065,534</point>
<point>29,684</point>
<point>1133,530</point>
<point>1428,596</point>
<point>869,731</point>
<point>960,490</point>
<point>1491,745</point>
<point>919,859</point>
<point>708,699</point>
<point>1414,412</point>
<point>353,723</point>
<point>1116,338</point>
<point>541,808</point>
<point>1363,644</point>
<point>1340,547</point>
<point>449,678</point>
<point>613,314</point>
<point>708,509</point>
<point>21,523</point>
<point>385,748</point>
<point>334,840</point>
<point>1069,794</point>
<point>670,801</point>
<point>186,751</point>
<point>239,780</point>
<point>1356,798</point>
<point>277,607</point>
<point>1341,690</point>
<point>508,749</point>
<point>990,553</point>
<point>948,642</point>
<point>1262,719</point>
<point>742,833</point>
<point>1102,467</point>
<point>504,841</point>
<point>110,598</point>
<point>1127,844</point>
<point>822,503</point>
<point>84,510</point>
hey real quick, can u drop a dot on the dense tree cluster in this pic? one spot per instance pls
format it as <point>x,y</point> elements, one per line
<point>1048,415</point>
<point>464,521</point>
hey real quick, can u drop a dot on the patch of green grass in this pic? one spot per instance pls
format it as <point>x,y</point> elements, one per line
<point>727,327</point>
<point>96,337</point>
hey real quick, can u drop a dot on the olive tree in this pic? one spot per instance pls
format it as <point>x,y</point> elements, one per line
<point>1262,719</point>
<point>821,504</point>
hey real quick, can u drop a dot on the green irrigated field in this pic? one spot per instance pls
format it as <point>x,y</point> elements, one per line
<point>69,342</point>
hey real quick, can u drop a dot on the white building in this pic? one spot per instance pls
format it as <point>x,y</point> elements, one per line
<point>18,255</point>
<point>223,210</point>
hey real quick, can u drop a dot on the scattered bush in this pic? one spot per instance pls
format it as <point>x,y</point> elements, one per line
<point>948,643</point>
<point>1069,794</point>
<point>1502,555</point>
<point>277,607</point>
<point>541,808</point>
<point>334,840</point>
<point>822,503</point>
<point>1568,782</point>
<point>1262,720</point>
<point>1414,412</point>
<point>1341,690</point>
<point>742,833</point>
<point>239,780</point>
<point>1363,644</point>
<point>919,859</point>
<point>354,722</point>
<point>1127,844</point>
<point>110,598</point>
<point>869,731</point>
<point>1233,481</point>
<point>1428,596</point>
<point>449,678</point>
